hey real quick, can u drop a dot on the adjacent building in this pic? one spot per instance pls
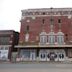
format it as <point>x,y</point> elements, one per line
<point>8,38</point>
<point>45,34</point>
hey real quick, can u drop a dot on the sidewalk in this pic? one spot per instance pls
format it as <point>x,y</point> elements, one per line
<point>36,62</point>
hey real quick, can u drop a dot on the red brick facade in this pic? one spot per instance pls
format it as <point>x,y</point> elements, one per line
<point>34,19</point>
<point>45,35</point>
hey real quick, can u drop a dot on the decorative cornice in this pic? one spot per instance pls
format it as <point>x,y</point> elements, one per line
<point>46,12</point>
<point>47,9</point>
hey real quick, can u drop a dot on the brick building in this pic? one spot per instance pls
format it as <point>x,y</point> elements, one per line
<point>45,34</point>
<point>8,38</point>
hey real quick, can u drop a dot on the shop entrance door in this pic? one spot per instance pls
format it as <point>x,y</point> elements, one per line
<point>52,56</point>
<point>32,56</point>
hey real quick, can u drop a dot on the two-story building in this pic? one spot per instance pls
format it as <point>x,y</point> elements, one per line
<point>8,38</point>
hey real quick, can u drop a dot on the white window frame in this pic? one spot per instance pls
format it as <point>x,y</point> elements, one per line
<point>60,39</point>
<point>43,39</point>
<point>51,39</point>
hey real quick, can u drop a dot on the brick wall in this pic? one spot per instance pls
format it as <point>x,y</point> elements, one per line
<point>36,25</point>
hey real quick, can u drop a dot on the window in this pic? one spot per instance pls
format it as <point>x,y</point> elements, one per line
<point>51,20</point>
<point>25,53</point>
<point>43,13</point>
<point>27,37</point>
<point>66,37</point>
<point>51,38</point>
<point>6,48</point>
<point>36,13</point>
<point>65,12</point>
<point>4,40</point>
<point>27,28</point>
<point>43,21</point>
<point>1,48</point>
<point>59,20</point>
<point>43,38</point>
<point>60,38</point>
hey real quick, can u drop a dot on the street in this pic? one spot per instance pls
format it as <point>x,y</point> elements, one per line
<point>42,67</point>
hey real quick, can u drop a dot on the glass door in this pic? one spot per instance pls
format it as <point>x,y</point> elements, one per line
<point>32,56</point>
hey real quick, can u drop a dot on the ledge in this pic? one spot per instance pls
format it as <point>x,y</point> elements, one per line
<point>38,46</point>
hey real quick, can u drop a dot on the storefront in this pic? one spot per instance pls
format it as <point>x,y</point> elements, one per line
<point>50,53</point>
<point>4,52</point>
<point>27,54</point>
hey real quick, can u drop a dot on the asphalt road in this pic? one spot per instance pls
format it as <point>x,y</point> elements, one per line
<point>44,67</point>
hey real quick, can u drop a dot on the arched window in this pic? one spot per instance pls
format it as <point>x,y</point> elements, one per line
<point>43,38</point>
<point>60,38</point>
<point>51,38</point>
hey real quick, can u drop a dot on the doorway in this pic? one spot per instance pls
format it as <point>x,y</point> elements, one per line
<point>32,56</point>
<point>52,56</point>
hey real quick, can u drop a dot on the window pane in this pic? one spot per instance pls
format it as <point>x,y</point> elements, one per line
<point>27,27</point>
<point>5,48</point>
<point>59,20</point>
<point>60,39</point>
<point>4,40</point>
<point>51,39</point>
<point>43,39</point>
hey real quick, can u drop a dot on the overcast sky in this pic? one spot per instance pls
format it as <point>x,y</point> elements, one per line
<point>10,10</point>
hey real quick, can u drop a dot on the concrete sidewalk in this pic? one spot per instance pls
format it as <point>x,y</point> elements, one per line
<point>36,62</point>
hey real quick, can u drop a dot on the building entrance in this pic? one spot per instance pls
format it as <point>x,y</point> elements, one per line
<point>52,56</point>
<point>32,56</point>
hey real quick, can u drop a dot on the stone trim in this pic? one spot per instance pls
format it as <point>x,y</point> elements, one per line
<point>47,9</point>
<point>37,46</point>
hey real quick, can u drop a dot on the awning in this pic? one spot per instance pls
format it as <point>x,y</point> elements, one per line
<point>5,45</point>
<point>41,46</point>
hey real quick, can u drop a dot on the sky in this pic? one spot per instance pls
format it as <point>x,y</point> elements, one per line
<point>10,10</point>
